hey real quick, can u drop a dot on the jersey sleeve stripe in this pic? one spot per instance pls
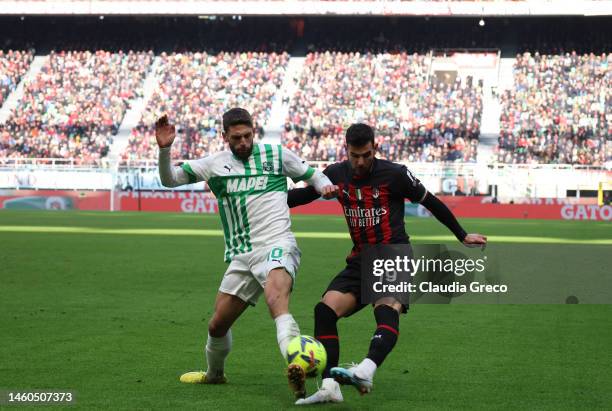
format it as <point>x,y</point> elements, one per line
<point>305,176</point>
<point>187,169</point>
<point>423,198</point>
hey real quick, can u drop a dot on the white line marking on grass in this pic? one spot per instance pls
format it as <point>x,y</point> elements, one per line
<point>299,234</point>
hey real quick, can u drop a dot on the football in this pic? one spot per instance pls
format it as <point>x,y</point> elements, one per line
<point>308,353</point>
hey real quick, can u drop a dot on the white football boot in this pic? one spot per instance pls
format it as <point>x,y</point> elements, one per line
<point>350,376</point>
<point>329,392</point>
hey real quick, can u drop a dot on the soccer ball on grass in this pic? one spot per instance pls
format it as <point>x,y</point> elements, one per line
<point>308,353</point>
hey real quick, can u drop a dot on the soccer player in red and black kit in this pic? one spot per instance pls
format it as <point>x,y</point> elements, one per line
<point>372,194</point>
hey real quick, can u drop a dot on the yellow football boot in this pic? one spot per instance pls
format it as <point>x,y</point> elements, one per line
<point>199,377</point>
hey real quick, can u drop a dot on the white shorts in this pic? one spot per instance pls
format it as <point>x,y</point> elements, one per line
<point>247,274</point>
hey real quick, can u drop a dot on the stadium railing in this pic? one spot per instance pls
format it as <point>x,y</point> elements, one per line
<point>50,163</point>
<point>416,167</point>
<point>503,180</point>
<point>147,164</point>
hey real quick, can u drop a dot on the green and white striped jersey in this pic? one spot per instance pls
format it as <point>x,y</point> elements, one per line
<point>252,194</point>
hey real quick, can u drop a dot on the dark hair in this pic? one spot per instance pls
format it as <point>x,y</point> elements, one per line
<point>236,116</point>
<point>359,135</point>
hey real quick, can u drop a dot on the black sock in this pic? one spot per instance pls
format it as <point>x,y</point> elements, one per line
<point>327,333</point>
<point>385,337</point>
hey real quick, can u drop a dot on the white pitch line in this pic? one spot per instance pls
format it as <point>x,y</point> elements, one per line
<point>299,234</point>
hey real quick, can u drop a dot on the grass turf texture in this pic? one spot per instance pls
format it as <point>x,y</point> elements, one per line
<point>117,318</point>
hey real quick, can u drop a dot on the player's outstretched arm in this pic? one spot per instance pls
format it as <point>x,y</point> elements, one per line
<point>410,187</point>
<point>442,213</point>
<point>298,170</point>
<point>300,196</point>
<point>323,185</point>
<point>168,175</point>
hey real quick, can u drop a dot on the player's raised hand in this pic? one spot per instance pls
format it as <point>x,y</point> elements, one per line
<point>475,240</point>
<point>330,192</point>
<point>164,132</point>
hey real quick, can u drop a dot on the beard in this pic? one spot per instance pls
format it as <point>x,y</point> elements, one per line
<point>244,154</point>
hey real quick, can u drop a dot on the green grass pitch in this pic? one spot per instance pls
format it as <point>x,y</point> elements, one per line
<point>115,308</point>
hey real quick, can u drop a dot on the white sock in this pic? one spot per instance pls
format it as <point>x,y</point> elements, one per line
<point>366,369</point>
<point>328,383</point>
<point>286,330</point>
<point>217,350</point>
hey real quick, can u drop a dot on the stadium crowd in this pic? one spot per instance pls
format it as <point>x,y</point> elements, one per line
<point>196,88</point>
<point>13,65</point>
<point>417,119</point>
<point>559,111</point>
<point>74,106</point>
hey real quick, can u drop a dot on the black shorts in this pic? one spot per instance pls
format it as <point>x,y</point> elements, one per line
<point>349,281</point>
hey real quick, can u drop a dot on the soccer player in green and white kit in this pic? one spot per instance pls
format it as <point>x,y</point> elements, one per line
<point>250,183</point>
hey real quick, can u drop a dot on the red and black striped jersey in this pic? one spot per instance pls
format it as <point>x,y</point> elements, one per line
<point>373,205</point>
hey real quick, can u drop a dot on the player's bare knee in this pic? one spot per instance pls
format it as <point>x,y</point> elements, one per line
<point>341,303</point>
